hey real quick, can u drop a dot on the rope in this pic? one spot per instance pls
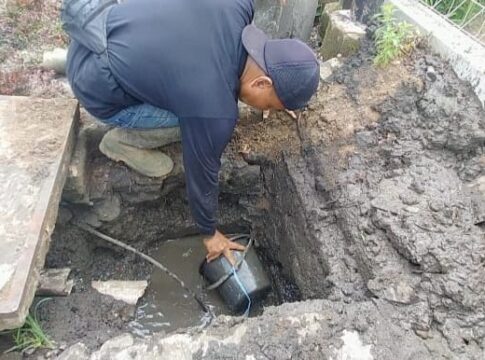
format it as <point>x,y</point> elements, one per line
<point>236,277</point>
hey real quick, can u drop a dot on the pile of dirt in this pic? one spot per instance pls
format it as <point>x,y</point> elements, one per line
<point>383,198</point>
<point>263,139</point>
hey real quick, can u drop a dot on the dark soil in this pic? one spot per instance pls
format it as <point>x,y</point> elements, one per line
<point>330,199</point>
<point>364,198</point>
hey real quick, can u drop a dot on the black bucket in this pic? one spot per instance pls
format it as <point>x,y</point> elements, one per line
<point>250,273</point>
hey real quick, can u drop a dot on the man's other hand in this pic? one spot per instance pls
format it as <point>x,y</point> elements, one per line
<point>218,245</point>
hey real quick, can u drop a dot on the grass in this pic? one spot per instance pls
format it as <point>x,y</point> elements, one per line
<point>30,336</point>
<point>393,39</point>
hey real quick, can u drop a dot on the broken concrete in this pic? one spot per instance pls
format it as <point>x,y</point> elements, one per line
<point>309,330</point>
<point>75,352</point>
<point>54,282</point>
<point>126,291</point>
<point>342,35</point>
<point>36,140</point>
<point>325,18</point>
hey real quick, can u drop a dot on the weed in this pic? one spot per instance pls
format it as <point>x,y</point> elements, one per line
<point>393,39</point>
<point>458,11</point>
<point>31,335</point>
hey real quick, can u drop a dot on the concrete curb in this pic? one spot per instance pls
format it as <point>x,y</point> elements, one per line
<point>466,56</point>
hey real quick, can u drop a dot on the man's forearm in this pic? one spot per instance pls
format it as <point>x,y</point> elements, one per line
<point>204,141</point>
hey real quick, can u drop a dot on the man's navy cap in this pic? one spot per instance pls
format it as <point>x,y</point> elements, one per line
<point>290,63</point>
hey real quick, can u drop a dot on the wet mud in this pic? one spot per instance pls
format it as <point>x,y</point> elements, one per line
<point>371,201</point>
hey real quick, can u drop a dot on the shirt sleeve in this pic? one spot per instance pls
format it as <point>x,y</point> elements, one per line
<point>203,142</point>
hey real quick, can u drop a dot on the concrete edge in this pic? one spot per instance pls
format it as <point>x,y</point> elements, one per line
<point>466,56</point>
<point>53,192</point>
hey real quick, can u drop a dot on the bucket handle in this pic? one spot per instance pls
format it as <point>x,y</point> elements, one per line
<point>226,276</point>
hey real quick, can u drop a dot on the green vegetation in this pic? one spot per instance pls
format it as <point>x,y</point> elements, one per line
<point>458,11</point>
<point>30,335</point>
<point>393,39</point>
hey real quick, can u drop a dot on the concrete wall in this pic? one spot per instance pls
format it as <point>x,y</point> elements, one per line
<point>466,56</point>
<point>292,19</point>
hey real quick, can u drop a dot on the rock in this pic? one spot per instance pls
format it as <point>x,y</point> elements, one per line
<point>293,18</point>
<point>54,282</point>
<point>353,348</point>
<point>436,205</point>
<point>127,291</point>
<point>87,216</point>
<point>305,330</point>
<point>108,209</point>
<point>328,67</point>
<point>342,36</point>
<point>55,60</point>
<point>325,19</point>
<point>431,74</point>
<point>397,292</point>
<point>78,351</point>
<point>113,349</point>
<point>423,334</point>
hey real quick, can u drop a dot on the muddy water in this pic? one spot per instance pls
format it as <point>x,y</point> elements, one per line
<point>166,306</point>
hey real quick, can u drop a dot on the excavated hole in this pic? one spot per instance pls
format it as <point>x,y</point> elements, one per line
<point>160,229</point>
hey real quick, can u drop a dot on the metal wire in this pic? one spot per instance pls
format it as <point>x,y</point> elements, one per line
<point>466,15</point>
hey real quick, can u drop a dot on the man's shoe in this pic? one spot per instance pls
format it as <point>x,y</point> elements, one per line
<point>147,139</point>
<point>152,163</point>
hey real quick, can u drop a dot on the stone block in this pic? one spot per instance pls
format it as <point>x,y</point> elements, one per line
<point>342,35</point>
<point>325,18</point>
<point>36,142</point>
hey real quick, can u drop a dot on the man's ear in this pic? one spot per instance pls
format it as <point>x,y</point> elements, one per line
<point>262,82</point>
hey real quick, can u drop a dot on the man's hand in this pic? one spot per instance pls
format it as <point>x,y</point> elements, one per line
<point>218,245</point>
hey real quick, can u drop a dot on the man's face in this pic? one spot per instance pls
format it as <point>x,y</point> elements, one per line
<point>260,93</point>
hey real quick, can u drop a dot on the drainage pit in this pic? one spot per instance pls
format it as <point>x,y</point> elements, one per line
<point>93,318</point>
<point>125,206</point>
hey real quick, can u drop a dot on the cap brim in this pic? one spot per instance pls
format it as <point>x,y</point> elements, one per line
<point>254,41</point>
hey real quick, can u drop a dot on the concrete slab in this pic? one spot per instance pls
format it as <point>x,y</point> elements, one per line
<point>36,141</point>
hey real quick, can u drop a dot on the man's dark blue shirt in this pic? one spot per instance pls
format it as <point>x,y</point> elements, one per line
<point>184,56</point>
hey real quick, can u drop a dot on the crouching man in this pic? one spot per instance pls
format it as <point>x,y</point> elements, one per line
<point>163,70</point>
